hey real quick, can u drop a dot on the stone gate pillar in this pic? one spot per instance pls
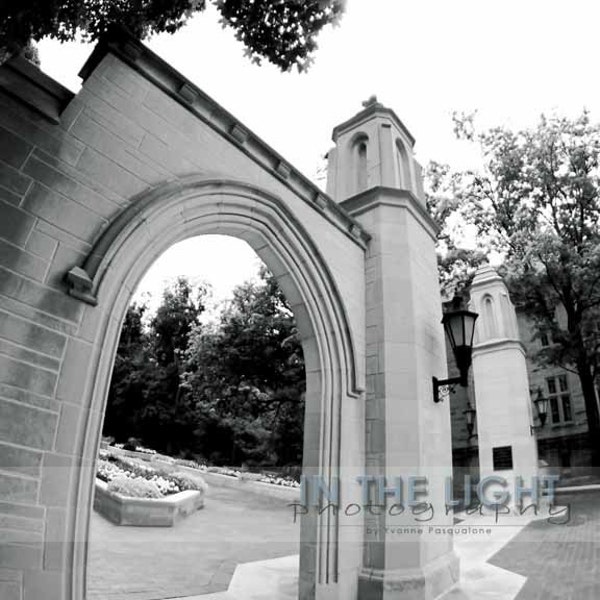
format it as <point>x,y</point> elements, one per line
<point>507,448</point>
<point>373,175</point>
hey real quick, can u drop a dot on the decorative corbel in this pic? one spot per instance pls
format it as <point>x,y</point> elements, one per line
<point>80,285</point>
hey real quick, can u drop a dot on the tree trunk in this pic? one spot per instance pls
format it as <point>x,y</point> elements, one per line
<point>232,456</point>
<point>591,409</point>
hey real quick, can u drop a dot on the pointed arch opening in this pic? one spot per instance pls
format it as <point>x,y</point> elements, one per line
<point>106,281</point>
<point>359,151</point>
<point>490,318</point>
<point>403,166</point>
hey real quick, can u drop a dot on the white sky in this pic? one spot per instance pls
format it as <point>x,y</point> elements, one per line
<point>220,260</point>
<point>510,60</point>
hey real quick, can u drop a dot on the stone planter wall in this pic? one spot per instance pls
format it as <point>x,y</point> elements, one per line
<point>146,512</point>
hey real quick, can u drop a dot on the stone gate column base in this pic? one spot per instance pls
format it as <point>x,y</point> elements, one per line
<point>424,583</point>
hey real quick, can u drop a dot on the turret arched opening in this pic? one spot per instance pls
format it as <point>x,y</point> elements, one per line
<point>360,156</point>
<point>403,166</point>
<point>490,322</point>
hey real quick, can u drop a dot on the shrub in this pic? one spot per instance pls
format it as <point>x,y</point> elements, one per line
<point>137,467</point>
<point>106,441</point>
<point>166,485</point>
<point>189,482</point>
<point>134,487</point>
<point>131,444</point>
<point>107,471</point>
<point>192,464</point>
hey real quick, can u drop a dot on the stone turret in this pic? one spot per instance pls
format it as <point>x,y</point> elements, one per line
<point>372,149</point>
<point>375,178</point>
<point>507,447</point>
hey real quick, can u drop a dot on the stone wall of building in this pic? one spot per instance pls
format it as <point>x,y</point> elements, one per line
<point>562,442</point>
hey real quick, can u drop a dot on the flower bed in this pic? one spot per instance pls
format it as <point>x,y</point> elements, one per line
<point>131,492</point>
<point>166,467</point>
<point>145,512</point>
<point>112,467</point>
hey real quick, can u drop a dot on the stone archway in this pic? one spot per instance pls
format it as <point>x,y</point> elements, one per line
<point>198,205</point>
<point>98,186</point>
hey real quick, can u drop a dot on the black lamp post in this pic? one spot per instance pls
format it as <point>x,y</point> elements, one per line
<point>460,327</point>
<point>541,406</point>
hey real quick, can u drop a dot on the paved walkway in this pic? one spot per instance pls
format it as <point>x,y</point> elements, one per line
<point>521,559</point>
<point>197,556</point>
<point>560,562</point>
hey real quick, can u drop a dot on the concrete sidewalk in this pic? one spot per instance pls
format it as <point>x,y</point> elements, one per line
<point>558,562</point>
<point>480,580</point>
<point>277,579</point>
<point>197,556</point>
<point>519,557</point>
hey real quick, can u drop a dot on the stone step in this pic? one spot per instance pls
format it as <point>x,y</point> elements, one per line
<point>273,579</point>
<point>485,582</point>
<point>213,596</point>
<point>266,579</point>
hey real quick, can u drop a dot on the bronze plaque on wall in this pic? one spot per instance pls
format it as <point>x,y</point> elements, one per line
<point>502,456</point>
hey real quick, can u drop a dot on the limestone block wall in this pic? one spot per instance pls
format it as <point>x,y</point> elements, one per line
<point>504,409</point>
<point>68,167</point>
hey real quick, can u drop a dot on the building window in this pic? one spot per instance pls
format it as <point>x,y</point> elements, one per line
<point>554,409</point>
<point>566,407</point>
<point>563,383</point>
<point>560,402</point>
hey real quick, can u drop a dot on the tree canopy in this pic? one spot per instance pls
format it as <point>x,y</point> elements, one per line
<point>281,31</point>
<point>246,376</point>
<point>145,399</point>
<point>536,203</point>
<point>445,199</point>
<point>229,391</point>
